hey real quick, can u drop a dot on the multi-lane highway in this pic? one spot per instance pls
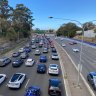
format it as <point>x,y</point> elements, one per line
<point>33,78</point>
<point>88,59</point>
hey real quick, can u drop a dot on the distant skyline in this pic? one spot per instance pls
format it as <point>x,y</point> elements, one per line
<point>81,10</point>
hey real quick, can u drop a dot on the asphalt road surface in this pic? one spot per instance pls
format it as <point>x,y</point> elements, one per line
<point>88,59</point>
<point>33,78</point>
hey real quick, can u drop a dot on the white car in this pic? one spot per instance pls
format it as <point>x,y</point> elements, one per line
<point>16,80</point>
<point>53,69</point>
<point>2,78</point>
<point>75,50</point>
<point>33,46</point>
<point>45,50</point>
<point>61,39</point>
<point>29,62</point>
<point>63,45</point>
<point>37,52</point>
<point>21,50</point>
<point>55,56</point>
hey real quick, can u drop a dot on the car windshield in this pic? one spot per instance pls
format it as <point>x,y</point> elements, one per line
<point>41,65</point>
<point>15,77</point>
<point>55,54</point>
<point>53,65</point>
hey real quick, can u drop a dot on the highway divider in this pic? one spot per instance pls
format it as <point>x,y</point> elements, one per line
<point>65,81</point>
<point>84,80</point>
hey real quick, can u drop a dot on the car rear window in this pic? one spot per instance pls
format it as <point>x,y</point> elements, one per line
<point>1,77</point>
<point>15,76</point>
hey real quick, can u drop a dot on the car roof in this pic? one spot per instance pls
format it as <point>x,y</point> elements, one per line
<point>53,64</point>
<point>42,55</point>
<point>54,82</point>
<point>30,59</point>
<point>54,54</point>
<point>41,65</point>
<point>93,73</point>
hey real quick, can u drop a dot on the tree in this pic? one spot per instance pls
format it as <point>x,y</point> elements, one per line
<point>88,26</point>
<point>22,20</point>
<point>11,34</point>
<point>5,16</point>
<point>5,10</point>
<point>68,29</point>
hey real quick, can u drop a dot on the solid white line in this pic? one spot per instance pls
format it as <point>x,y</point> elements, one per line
<point>49,57</point>
<point>27,83</point>
<point>84,80</point>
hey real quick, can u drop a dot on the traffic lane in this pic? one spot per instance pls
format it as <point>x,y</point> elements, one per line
<point>86,49</point>
<point>86,62</point>
<point>44,78</point>
<point>87,66</point>
<point>86,54</point>
<point>9,71</point>
<point>30,73</point>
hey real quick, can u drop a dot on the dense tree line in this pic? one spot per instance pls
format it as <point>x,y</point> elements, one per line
<point>69,29</point>
<point>15,23</point>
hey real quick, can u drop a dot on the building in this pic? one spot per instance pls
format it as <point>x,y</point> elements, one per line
<point>88,33</point>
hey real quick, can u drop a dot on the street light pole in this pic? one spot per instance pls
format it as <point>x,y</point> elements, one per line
<point>80,61</point>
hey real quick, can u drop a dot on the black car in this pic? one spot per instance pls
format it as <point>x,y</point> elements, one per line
<point>41,68</point>
<point>17,62</point>
<point>54,50</point>
<point>4,61</point>
<point>24,55</point>
<point>15,54</point>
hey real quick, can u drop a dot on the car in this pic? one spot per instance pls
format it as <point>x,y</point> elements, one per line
<point>33,91</point>
<point>4,61</point>
<point>2,78</point>
<point>54,50</point>
<point>54,87</point>
<point>37,40</point>
<point>45,50</point>
<point>41,68</point>
<point>16,54</point>
<point>91,77</point>
<point>27,49</point>
<point>17,62</point>
<point>21,50</point>
<point>55,56</point>
<point>33,46</point>
<point>63,45</point>
<point>61,39</point>
<point>75,50</point>
<point>29,62</point>
<point>40,45</point>
<point>24,55</point>
<point>72,43</point>
<point>37,52</point>
<point>43,58</point>
<point>16,80</point>
<point>53,69</point>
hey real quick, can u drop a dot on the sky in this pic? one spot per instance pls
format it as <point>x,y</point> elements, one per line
<point>81,10</point>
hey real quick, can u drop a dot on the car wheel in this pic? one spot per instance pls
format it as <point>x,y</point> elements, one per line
<point>94,87</point>
<point>87,78</point>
